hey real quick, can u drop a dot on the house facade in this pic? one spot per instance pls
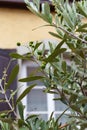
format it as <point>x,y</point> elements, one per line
<point>17,23</point>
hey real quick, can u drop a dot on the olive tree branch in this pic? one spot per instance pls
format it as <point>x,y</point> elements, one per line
<point>64,30</point>
<point>3,91</point>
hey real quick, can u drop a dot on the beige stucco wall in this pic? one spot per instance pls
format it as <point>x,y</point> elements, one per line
<point>16,26</point>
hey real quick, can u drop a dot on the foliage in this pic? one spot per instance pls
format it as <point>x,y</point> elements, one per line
<point>64,68</point>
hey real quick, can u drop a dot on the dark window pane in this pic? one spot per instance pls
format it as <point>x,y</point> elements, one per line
<point>4,60</point>
<point>59,106</point>
<point>63,119</point>
<point>34,71</point>
<point>36,100</point>
<point>43,116</point>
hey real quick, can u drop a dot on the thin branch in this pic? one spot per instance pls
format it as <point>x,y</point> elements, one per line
<point>3,90</point>
<point>64,30</point>
<point>7,100</point>
<point>69,33</point>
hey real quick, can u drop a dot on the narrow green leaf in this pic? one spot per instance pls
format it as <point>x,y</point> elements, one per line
<point>83,125</point>
<point>74,13</point>
<point>82,26</point>
<point>41,15</point>
<point>72,98</point>
<point>52,92</point>
<point>12,76</point>
<point>51,116</point>
<point>64,66</point>
<point>46,9</point>
<point>70,92</point>
<point>76,108</point>
<point>71,46</point>
<point>6,120</point>
<point>15,55</point>
<point>82,30</point>
<point>37,4</point>
<point>68,19</point>
<point>52,57</point>
<point>33,78</point>
<point>47,19</point>
<point>13,93</point>
<point>81,8</point>
<point>37,45</point>
<point>51,47</point>
<point>83,100</point>
<point>33,11</point>
<point>26,91</point>
<point>55,35</point>
<point>31,116</point>
<point>60,33</point>
<point>61,115</point>
<point>56,99</point>
<point>21,110</point>
<point>46,12</point>
<point>59,45</point>
<point>80,53</point>
<point>20,123</point>
<point>85,109</point>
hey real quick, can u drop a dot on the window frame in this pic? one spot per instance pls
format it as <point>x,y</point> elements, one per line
<point>50,97</point>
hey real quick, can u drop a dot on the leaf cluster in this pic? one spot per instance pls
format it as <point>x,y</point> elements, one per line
<point>66,63</point>
<point>63,67</point>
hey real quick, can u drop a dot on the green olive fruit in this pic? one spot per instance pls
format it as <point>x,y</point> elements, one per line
<point>18,44</point>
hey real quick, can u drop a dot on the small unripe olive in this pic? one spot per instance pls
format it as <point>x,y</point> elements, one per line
<point>39,52</point>
<point>72,56</point>
<point>43,65</point>
<point>40,57</point>
<point>18,44</point>
<point>31,43</point>
<point>32,46</point>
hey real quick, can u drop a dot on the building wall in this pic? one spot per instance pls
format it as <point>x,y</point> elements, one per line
<point>16,26</point>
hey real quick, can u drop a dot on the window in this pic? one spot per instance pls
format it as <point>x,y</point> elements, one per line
<point>37,102</point>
